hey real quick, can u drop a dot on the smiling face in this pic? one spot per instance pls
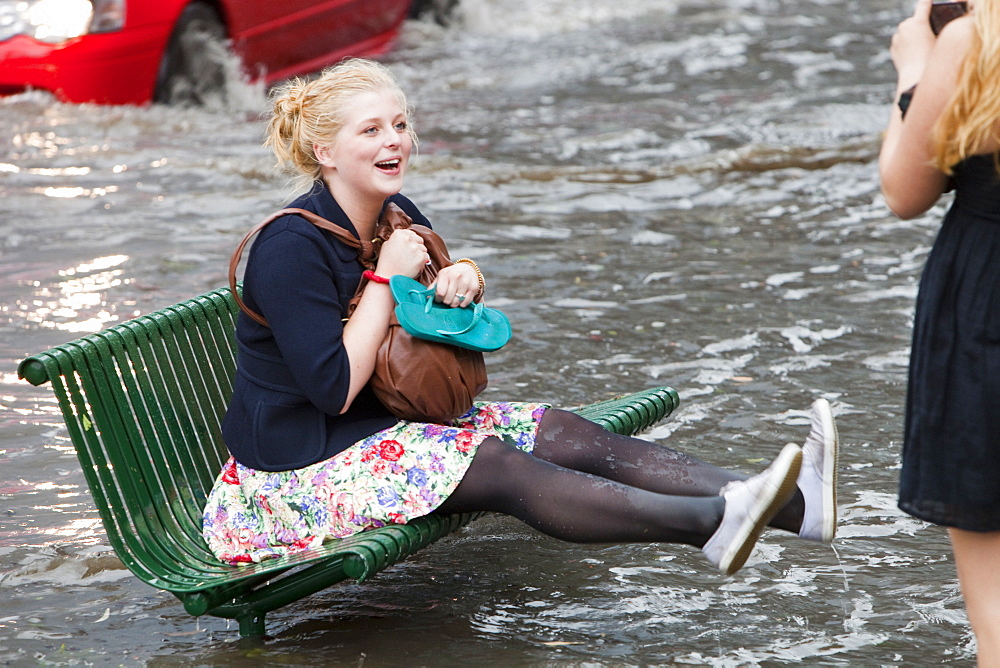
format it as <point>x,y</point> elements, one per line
<point>367,160</point>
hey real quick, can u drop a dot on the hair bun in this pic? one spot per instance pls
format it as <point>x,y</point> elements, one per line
<point>290,99</point>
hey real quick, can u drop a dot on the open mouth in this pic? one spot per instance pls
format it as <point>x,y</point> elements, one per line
<point>388,165</point>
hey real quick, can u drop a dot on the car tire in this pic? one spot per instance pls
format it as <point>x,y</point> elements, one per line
<point>439,10</point>
<point>194,68</point>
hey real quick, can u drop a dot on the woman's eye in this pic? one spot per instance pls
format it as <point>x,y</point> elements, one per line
<point>370,131</point>
<point>401,126</point>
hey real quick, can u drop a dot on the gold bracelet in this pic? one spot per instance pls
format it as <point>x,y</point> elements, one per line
<point>479,275</point>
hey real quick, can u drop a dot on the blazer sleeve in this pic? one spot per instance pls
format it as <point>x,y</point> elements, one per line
<point>299,286</point>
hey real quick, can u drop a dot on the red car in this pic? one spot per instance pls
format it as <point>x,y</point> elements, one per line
<point>137,51</point>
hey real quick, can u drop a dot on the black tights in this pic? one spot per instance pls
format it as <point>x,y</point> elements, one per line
<point>587,485</point>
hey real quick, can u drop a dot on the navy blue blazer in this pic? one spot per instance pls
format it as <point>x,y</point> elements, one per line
<point>292,377</point>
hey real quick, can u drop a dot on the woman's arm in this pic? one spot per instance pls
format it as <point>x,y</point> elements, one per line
<point>295,286</point>
<point>911,183</point>
<point>404,253</point>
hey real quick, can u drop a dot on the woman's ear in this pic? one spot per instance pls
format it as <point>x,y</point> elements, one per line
<point>324,155</point>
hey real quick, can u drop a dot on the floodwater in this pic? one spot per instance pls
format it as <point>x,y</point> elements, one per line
<point>675,193</point>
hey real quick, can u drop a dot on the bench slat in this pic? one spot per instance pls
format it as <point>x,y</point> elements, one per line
<point>151,523</point>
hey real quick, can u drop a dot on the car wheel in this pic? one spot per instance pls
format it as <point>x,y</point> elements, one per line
<point>194,67</point>
<point>440,10</point>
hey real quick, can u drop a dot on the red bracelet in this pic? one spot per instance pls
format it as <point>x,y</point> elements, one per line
<point>372,276</point>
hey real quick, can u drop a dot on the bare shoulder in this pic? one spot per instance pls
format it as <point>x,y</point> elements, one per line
<point>951,51</point>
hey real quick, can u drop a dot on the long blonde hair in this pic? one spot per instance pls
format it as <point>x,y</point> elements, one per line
<point>310,112</point>
<point>969,121</point>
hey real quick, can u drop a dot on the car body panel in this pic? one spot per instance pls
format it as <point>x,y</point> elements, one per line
<point>275,40</point>
<point>275,37</point>
<point>110,68</point>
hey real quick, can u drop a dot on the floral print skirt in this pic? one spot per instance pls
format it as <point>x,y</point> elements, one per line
<point>393,476</point>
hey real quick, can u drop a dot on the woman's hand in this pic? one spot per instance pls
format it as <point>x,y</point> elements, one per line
<point>457,285</point>
<point>911,182</point>
<point>403,253</point>
<point>912,45</point>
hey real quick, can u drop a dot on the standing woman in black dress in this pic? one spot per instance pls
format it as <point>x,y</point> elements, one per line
<point>950,139</point>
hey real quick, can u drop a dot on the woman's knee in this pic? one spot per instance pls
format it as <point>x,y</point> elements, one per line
<point>556,422</point>
<point>489,476</point>
<point>569,440</point>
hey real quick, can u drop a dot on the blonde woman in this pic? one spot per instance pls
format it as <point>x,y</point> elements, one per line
<point>950,140</point>
<point>316,456</point>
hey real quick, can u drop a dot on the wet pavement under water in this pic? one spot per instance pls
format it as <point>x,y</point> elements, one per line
<point>660,193</point>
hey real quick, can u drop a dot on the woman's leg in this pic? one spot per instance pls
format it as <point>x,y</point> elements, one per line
<point>977,556</point>
<point>576,506</point>
<point>585,508</point>
<point>573,442</point>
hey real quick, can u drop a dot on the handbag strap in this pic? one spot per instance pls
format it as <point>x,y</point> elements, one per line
<point>392,218</point>
<point>366,249</point>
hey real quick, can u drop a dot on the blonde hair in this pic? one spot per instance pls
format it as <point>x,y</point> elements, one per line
<point>969,121</point>
<point>310,112</point>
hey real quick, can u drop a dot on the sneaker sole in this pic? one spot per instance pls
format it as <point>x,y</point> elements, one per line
<point>785,472</point>
<point>831,452</point>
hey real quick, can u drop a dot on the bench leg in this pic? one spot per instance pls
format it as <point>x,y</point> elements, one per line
<point>251,625</point>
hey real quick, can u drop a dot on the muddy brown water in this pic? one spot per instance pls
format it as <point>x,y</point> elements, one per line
<point>660,193</point>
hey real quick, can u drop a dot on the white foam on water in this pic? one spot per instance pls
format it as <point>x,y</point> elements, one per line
<point>535,20</point>
<point>745,342</point>
<point>895,360</point>
<point>689,413</point>
<point>669,297</point>
<point>659,276</point>
<point>653,238</point>
<point>803,339</point>
<point>629,140</point>
<point>589,304</point>
<point>776,280</point>
<point>800,363</point>
<point>527,232</point>
<point>907,292</point>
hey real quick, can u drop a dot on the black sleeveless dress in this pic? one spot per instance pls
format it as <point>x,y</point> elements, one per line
<point>951,446</point>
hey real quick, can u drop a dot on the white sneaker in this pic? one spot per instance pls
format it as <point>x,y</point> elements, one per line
<point>818,478</point>
<point>750,505</point>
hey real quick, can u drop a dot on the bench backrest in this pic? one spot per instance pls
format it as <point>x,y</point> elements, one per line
<point>147,396</point>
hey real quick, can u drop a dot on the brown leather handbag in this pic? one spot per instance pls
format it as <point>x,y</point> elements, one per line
<point>417,380</point>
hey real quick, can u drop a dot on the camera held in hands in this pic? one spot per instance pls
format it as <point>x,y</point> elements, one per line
<point>943,11</point>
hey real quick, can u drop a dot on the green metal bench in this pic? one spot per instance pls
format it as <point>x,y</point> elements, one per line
<point>143,402</point>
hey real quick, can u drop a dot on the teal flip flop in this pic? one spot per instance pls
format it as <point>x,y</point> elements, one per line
<point>475,327</point>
